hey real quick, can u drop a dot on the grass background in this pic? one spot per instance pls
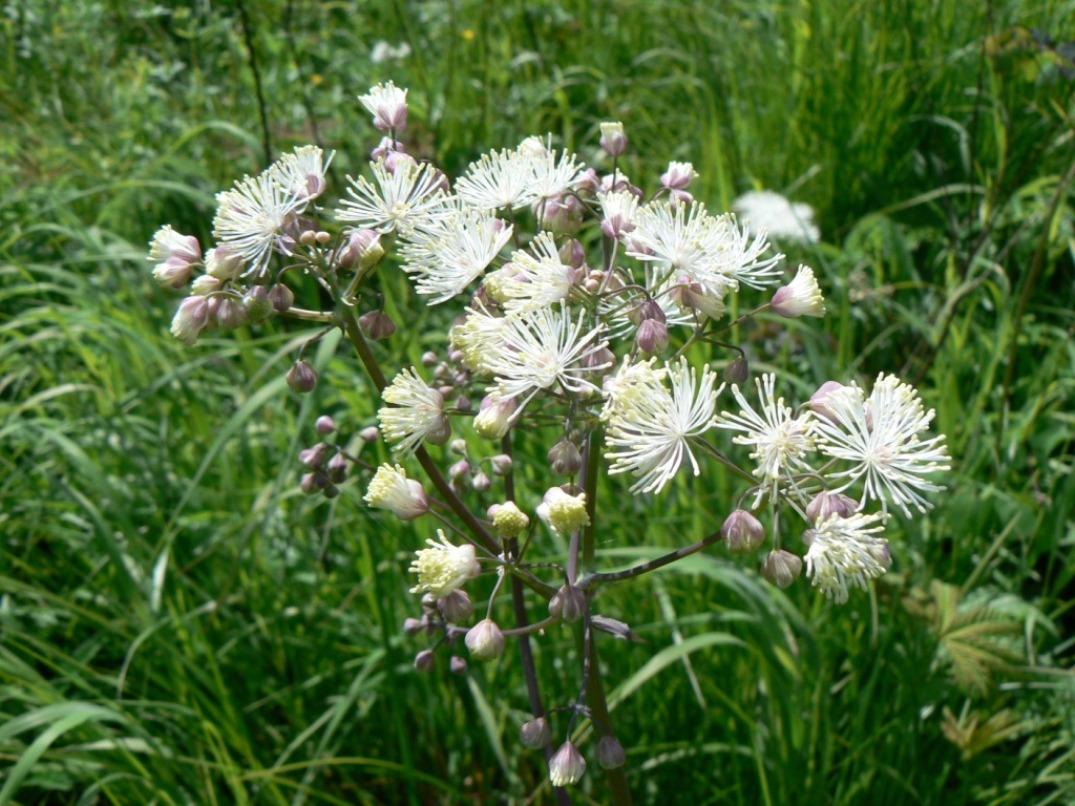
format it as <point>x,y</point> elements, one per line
<point>178,625</point>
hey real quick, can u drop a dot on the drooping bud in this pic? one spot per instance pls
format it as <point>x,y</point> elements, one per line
<point>819,400</point>
<point>567,766</point>
<point>485,640</point>
<point>369,434</point>
<point>737,370</point>
<point>423,661</point>
<point>282,297</point>
<point>742,532</point>
<point>257,302</point>
<point>388,105</point>
<point>825,504</point>
<point>230,313</point>
<point>337,468</point>
<point>190,318</point>
<point>502,464</point>
<point>572,254</point>
<point>564,513</point>
<point>205,284</point>
<point>508,519</point>
<point>678,175</point>
<point>413,626</point>
<point>456,607</point>
<point>536,733</point>
<point>377,325</point>
<point>313,482</point>
<point>800,297</point>
<point>568,603</point>
<point>565,459</point>
<point>613,139</point>
<point>390,489</point>
<point>610,753</point>
<point>302,377</point>
<point>174,255</point>
<point>495,416</point>
<point>652,337</point>
<point>458,469</point>
<point>458,446</point>
<point>325,424</point>
<point>315,457</point>
<point>781,568</point>
<point>481,482</point>
<point>362,250</point>
<point>457,665</point>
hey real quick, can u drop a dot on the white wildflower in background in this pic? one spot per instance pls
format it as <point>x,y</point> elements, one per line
<point>844,551</point>
<point>779,439</point>
<point>388,105</point>
<point>416,412</point>
<point>650,426</point>
<point>882,437</point>
<point>536,278</point>
<point>383,51</point>
<point>454,252</point>
<point>302,172</point>
<point>250,219</point>
<point>390,489</point>
<point>443,568</point>
<point>800,297</point>
<point>407,198</point>
<point>784,220</point>
<point>543,349</point>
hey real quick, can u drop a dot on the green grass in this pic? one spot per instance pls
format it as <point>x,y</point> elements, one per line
<point>179,625</point>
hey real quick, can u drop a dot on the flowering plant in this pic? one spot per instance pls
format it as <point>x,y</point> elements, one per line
<point>580,298</point>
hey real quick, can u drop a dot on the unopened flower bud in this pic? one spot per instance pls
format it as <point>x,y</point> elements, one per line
<point>565,459</point>
<point>678,175</point>
<point>610,754</point>
<point>742,532</point>
<point>825,504</point>
<point>302,377</point>
<point>481,481</point>
<point>603,358</point>
<point>369,434</point>
<point>613,139</point>
<point>457,665</point>
<point>325,424</point>
<point>458,469</point>
<point>881,553</point>
<point>205,284</point>
<point>781,568</point>
<point>282,297</point>
<point>331,490</point>
<point>819,400</point>
<point>456,607</point>
<point>413,626</point>
<point>536,733</point>
<point>737,370</point>
<point>429,359</point>
<point>458,446</point>
<point>485,640</point>
<point>257,303</point>
<point>190,318</point>
<point>508,519</point>
<point>800,297</point>
<point>501,464</point>
<point>572,254</point>
<point>231,313</point>
<point>423,661</point>
<point>652,337</point>
<point>313,482</point>
<point>680,197</point>
<point>463,404</point>
<point>588,182</point>
<point>173,273</point>
<point>362,250</point>
<point>174,254</point>
<point>567,766</point>
<point>388,105</point>
<point>377,325</point>
<point>322,237</point>
<point>315,457</point>
<point>308,238</point>
<point>337,468</point>
<point>440,432</point>
<point>495,417</point>
<point>568,603</point>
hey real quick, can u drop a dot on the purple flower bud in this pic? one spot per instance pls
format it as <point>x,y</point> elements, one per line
<point>362,250</point>
<point>459,469</point>
<point>565,459</point>
<point>481,481</point>
<point>485,640</point>
<point>457,665</point>
<point>737,371</point>
<point>742,532</point>
<point>572,254</point>
<point>568,603</point>
<point>818,401</point>
<point>456,607</point>
<point>652,337</point>
<point>383,148</point>
<point>369,434</point>
<point>678,175</point>
<point>536,733</point>
<point>613,139</point>
<point>588,182</point>
<point>230,313</point>
<point>173,273</point>
<point>610,753</point>
<point>429,359</point>
<point>567,766</point>
<point>325,424</point>
<point>423,661</point>
<point>315,457</point>
<point>190,318</point>
<point>502,464</point>
<point>337,468</point>
<point>282,297</point>
<point>302,377</point>
<point>413,626</point>
<point>781,568</point>
<point>313,482</point>
<point>377,325</point>
<point>825,504</point>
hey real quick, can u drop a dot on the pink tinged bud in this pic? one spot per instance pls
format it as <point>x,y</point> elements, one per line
<point>223,263</point>
<point>459,469</point>
<point>559,214</point>
<point>302,377</point>
<point>652,337</point>
<point>413,626</point>
<point>613,139</point>
<point>495,417</point>
<point>190,318</point>
<point>313,482</point>
<point>369,434</point>
<point>484,640</point>
<point>456,607</point>
<point>502,464</point>
<point>737,371</point>
<point>535,734</point>
<point>680,197</point>
<point>678,175</point>
<point>567,766</point>
<point>257,303</point>
<point>337,468</point>
<point>600,358</point>
<point>568,603</point>
<point>800,297</point>
<point>819,400</point>
<point>429,359</point>
<point>423,661</point>
<point>362,250</point>
<point>781,568</point>
<point>565,459</point>
<point>881,553</point>
<point>440,432</point>
<point>824,505</point>
<point>230,313</point>
<point>282,297</point>
<point>172,273</point>
<point>205,285</point>
<point>610,753</point>
<point>742,532</point>
<point>481,482</point>
<point>384,148</point>
<point>457,665</point>
<point>458,446</point>
<point>325,424</point>
<point>377,325</point>
<point>588,182</point>
<point>572,254</point>
<point>316,456</point>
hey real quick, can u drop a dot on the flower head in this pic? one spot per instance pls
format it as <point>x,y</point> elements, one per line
<point>844,551</point>
<point>779,440</point>
<point>416,413</point>
<point>251,218</point>
<point>302,172</point>
<point>535,279</point>
<point>174,255</point>
<point>882,436</point>
<point>407,198</point>
<point>443,568</point>
<point>650,425</point>
<point>800,297</point>
<point>391,489</point>
<point>388,105</point>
